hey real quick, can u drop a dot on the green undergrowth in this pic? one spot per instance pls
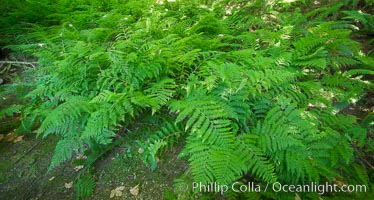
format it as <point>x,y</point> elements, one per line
<point>254,91</point>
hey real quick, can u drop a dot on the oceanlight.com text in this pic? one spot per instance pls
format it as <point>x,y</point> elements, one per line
<point>276,187</point>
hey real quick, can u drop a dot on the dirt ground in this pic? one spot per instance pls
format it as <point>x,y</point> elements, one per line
<point>23,172</point>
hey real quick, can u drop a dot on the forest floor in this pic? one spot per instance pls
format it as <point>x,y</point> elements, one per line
<point>23,172</point>
<point>24,169</point>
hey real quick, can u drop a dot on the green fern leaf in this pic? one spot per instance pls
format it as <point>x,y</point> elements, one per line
<point>63,151</point>
<point>84,186</point>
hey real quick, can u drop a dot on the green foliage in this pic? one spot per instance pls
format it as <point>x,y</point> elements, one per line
<point>167,136</point>
<point>366,20</point>
<point>250,89</point>
<point>10,111</point>
<point>84,186</point>
<point>63,151</point>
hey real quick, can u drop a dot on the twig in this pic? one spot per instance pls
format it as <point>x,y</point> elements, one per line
<point>33,64</point>
<point>28,151</point>
<point>367,163</point>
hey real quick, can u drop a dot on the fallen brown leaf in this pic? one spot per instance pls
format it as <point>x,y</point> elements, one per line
<point>135,190</point>
<point>18,139</point>
<point>117,192</point>
<point>79,167</point>
<point>120,188</point>
<point>140,150</point>
<point>10,137</point>
<point>81,156</point>
<point>69,185</point>
<point>1,136</point>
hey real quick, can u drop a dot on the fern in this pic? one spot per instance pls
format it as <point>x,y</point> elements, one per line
<point>255,89</point>
<point>63,120</point>
<point>10,111</point>
<point>207,118</point>
<point>64,151</point>
<point>161,92</point>
<point>254,160</point>
<point>84,186</point>
<point>365,19</point>
<point>158,142</point>
<point>99,127</point>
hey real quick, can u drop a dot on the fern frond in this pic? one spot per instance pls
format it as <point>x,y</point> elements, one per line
<point>152,150</point>
<point>100,126</point>
<point>253,159</point>
<point>353,72</point>
<point>160,92</point>
<point>84,186</point>
<point>65,118</point>
<point>207,118</point>
<point>64,151</point>
<point>309,44</point>
<point>213,162</point>
<point>9,111</point>
<point>121,103</point>
<point>158,142</point>
<point>366,19</point>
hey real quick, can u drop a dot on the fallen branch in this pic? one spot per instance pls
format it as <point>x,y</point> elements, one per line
<point>33,64</point>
